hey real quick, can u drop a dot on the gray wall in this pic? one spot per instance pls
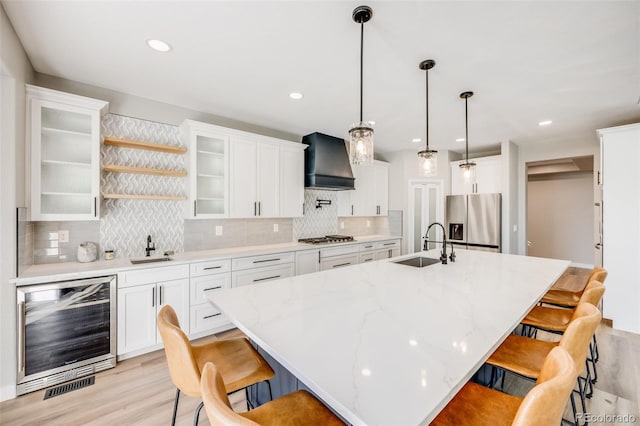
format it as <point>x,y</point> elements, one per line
<point>560,216</point>
<point>16,71</point>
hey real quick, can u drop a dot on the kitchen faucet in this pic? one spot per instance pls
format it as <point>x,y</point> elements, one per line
<point>150,246</point>
<point>443,254</point>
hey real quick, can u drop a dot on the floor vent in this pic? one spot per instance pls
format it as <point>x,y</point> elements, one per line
<point>68,387</point>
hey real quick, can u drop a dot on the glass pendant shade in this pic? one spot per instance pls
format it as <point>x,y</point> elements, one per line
<point>428,162</point>
<point>468,169</point>
<point>361,143</point>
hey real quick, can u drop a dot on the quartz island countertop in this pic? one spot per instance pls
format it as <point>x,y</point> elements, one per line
<point>389,344</point>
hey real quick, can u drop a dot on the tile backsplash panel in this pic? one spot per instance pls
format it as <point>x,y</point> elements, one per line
<point>49,249</point>
<point>200,234</point>
<point>317,222</point>
<point>125,224</point>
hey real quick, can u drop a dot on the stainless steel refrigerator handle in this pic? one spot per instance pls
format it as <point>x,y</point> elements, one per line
<point>21,336</point>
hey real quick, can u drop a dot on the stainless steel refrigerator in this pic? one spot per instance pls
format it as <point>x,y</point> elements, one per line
<point>474,221</point>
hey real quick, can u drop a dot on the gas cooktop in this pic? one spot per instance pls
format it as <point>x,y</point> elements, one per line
<point>327,239</point>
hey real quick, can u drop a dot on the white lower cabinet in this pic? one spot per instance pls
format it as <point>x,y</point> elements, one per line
<point>387,249</point>
<point>307,261</point>
<point>339,261</point>
<point>141,295</point>
<point>259,275</point>
<point>207,278</point>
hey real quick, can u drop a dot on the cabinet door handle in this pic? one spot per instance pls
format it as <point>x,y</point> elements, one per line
<point>255,208</point>
<point>211,267</point>
<point>368,246</point>
<point>211,316</point>
<point>95,206</point>
<point>259,208</point>
<point>153,297</point>
<point>266,260</point>
<point>161,295</point>
<point>21,336</point>
<point>389,244</point>
<point>212,288</point>
<point>368,260</point>
<point>195,207</point>
<point>267,278</point>
<point>342,264</point>
<point>351,209</point>
<point>318,256</point>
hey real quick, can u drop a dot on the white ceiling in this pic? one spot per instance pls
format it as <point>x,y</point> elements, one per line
<point>576,63</point>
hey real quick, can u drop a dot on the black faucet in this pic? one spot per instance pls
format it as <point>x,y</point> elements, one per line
<point>150,246</point>
<point>443,254</point>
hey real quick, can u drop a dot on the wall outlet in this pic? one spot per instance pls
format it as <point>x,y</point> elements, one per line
<point>275,227</point>
<point>218,230</point>
<point>63,236</point>
<point>341,224</point>
<point>368,224</point>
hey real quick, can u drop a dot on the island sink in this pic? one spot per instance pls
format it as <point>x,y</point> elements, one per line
<point>418,262</point>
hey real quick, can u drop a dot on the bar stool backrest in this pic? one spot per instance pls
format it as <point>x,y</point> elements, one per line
<point>579,332</point>
<point>216,402</point>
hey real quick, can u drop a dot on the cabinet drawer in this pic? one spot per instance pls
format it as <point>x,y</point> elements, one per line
<point>339,251</point>
<point>205,317</point>
<point>152,275</point>
<point>201,286</point>
<point>256,276</point>
<point>367,246</point>
<point>264,260</point>
<point>369,256</point>
<point>387,244</point>
<point>210,267</point>
<point>339,262</point>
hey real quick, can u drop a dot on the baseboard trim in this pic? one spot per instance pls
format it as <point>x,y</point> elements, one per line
<point>608,322</point>
<point>7,392</point>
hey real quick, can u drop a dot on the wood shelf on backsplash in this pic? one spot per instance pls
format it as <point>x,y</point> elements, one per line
<point>115,168</point>
<point>125,143</point>
<point>143,197</point>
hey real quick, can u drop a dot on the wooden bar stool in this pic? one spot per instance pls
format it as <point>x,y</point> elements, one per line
<point>570,299</point>
<point>297,408</point>
<point>556,320</point>
<point>476,405</point>
<point>525,357</point>
<point>239,363</point>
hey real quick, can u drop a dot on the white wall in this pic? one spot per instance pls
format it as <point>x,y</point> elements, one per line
<point>509,152</point>
<point>560,217</point>
<point>541,152</point>
<point>16,71</point>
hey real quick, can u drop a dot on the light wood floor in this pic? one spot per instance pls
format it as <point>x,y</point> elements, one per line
<point>139,390</point>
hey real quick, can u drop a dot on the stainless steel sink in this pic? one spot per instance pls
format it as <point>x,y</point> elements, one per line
<point>149,260</point>
<point>418,261</point>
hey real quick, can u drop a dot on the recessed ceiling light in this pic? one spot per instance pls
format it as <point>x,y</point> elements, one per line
<point>159,45</point>
<point>545,123</point>
<point>296,95</point>
<point>416,140</point>
<point>366,372</point>
<point>460,140</point>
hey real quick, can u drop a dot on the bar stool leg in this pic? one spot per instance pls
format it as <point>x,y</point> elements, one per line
<point>175,407</point>
<point>197,415</point>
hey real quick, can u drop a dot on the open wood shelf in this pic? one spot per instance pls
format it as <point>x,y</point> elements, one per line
<point>114,168</point>
<point>143,197</point>
<point>124,143</point>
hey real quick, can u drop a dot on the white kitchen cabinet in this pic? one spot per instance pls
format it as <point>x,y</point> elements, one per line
<point>141,295</point>
<point>620,147</point>
<point>256,269</point>
<point>292,180</point>
<point>64,134</point>
<point>339,261</point>
<point>207,278</point>
<point>207,179</point>
<point>307,261</point>
<point>387,249</point>
<point>488,177</point>
<point>371,194</point>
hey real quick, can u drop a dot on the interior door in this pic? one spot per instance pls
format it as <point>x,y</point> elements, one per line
<point>425,207</point>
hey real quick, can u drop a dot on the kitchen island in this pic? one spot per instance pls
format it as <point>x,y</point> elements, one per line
<point>383,343</point>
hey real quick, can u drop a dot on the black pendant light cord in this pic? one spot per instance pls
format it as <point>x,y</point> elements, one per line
<point>466,128</point>
<point>361,63</point>
<point>427,109</point>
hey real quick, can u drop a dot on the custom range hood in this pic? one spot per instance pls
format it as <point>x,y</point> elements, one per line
<point>326,163</point>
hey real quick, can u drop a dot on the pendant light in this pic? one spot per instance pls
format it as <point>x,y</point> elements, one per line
<point>467,167</point>
<point>428,158</point>
<point>361,133</point>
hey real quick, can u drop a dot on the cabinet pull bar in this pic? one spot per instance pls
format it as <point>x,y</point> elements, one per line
<point>266,260</point>
<point>211,316</point>
<point>153,296</point>
<point>161,294</point>
<point>368,246</point>
<point>21,336</point>
<point>95,206</point>
<point>267,278</point>
<point>195,207</point>
<point>351,209</point>
<point>342,264</point>
<point>212,288</point>
<point>389,244</point>
<point>368,260</point>
<point>211,267</point>
<point>259,208</point>
<point>255,208</point>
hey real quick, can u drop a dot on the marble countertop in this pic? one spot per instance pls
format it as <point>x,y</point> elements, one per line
<point>389,344</point>
<point>75,270</point>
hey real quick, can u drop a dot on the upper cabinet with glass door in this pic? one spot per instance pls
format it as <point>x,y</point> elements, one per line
<point>64,130</point>
<point>208,170</point>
